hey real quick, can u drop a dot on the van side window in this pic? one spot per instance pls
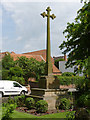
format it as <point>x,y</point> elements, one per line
<point>16,85</point>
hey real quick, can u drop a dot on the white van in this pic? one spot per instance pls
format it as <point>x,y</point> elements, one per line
<point>12,88</point>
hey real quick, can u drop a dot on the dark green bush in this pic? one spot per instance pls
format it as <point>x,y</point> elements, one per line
<point>64,104</point>
<point>41,106</point>
<point>30,103</point>
<point>67,80</point>
<point>68,74</point>
<point>82,114</point>
<point>64,80</point>
<point>84,100</point>
<point>10,100</point>
<point>82,84</point>
<point>20,100</point>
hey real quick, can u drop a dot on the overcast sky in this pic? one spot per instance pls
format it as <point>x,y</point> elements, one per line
<point>23,29</point>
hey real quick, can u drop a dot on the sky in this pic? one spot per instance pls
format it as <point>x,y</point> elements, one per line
<point>23,29</point>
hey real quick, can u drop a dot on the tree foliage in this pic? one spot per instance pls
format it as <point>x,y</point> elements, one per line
<point>21,69</point>
<point>16,71</point>
<point>78,33</point>
<point>68,74</point>
<point>31,67</point>
<point>7,62</point>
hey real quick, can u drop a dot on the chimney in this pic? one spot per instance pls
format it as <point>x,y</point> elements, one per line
<point>12,52</point>
<point>65,57</point>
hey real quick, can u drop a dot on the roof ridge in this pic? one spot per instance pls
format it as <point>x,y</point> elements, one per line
<point>34,51</point>
<point>26,54</point>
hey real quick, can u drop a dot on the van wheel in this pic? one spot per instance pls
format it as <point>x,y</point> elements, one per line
<point>22,93</point>
<point>2,94</point>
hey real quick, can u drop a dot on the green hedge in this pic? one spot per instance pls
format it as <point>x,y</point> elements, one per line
<point>67,80</point>
<point>68,74</point>
<point>41,106</point>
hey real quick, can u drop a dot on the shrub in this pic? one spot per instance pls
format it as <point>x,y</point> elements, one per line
<point>68,74</point>
<point>67,80</point>
<point>70,115</point>
<point>7,111</point>
<point>30,103</point>
<point>22,98</point>
<point>82,114</point>
<point>64,80</point>
<point>84,100</point>
<point>64,104</point>
<point>19,100</point>
<point>41,106</point>
<point>10,100</point>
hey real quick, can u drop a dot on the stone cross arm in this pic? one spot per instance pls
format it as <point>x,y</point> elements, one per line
<point>48,13</point>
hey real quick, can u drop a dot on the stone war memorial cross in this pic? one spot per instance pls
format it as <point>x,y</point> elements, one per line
<point>48,84</point>
<point>48,52</point>
<point>48,81</point>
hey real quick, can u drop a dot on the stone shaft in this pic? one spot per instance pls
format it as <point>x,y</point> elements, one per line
<point>48,54</point>
<point>49,69</point>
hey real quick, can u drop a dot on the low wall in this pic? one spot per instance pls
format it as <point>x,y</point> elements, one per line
<point>36,85</point>
<point>33,84</point>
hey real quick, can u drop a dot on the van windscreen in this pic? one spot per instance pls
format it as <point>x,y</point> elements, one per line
<point>16,85</point>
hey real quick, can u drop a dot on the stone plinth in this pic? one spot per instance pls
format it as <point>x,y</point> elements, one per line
<point>48,90</point>
<point>50,95</point>
<point>49,82</point>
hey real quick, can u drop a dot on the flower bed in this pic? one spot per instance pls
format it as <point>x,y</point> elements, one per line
<point>34,112</point>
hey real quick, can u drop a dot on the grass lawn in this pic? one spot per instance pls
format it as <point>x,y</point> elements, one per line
<point>17,114</point>
<point>0,112</point>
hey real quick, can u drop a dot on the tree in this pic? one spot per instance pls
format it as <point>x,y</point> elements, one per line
<point>31,67</point>
<point>21,69</point>
<point>15,71</point>
<point>78,33</point>
<point>7,62</point>
<point>78,46</point>
<point>10,71</point>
